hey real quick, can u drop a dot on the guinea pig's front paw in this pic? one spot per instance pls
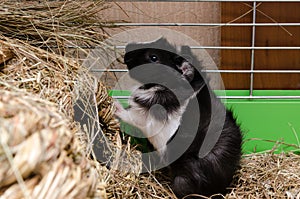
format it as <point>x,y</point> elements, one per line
<point>119,109</point>
<point>122,114</point>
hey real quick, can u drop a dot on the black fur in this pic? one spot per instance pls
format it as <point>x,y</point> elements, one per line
<point>191,173</point>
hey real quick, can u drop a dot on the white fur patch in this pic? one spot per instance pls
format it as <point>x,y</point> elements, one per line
<point>146,94</point>
<point>157,132</point>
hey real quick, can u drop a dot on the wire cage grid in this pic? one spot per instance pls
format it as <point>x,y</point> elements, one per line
<point>252,71</point>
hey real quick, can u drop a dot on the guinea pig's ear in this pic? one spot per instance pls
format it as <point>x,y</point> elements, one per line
<point>161,40</point>
<point>130,47</point>
<point>186,50</point>
<point>160,43</point>
<point>186,53</point>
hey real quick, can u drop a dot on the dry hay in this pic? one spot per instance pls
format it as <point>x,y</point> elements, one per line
<point>49,76</point>
<point>38,152</point>
<point>54,79</point>
<point>37,71</point>
<point>268,175</point>
<point>54,24</point>
<point>43,150</point>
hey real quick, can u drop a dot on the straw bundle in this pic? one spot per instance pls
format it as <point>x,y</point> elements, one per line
<point>38,153</point>
<point>56,79</point>
<point>52,79</point>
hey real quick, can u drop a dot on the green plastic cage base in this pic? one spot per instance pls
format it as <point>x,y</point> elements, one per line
<point>268,124</point>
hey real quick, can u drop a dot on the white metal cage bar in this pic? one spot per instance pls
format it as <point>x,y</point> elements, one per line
<point>239,47</point>
<point>208,24</point>
<point>252,50</point>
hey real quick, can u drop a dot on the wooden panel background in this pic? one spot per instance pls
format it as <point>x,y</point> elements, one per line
<point>265,36</point>
<point>215,12</point>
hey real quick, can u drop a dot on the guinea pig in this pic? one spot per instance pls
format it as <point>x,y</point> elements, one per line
<point>182,118</point>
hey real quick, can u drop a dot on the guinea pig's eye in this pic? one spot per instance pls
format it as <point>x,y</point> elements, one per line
<point>153,58</point>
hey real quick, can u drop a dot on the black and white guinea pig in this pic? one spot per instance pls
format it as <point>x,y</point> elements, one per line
<point>181,117</point>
